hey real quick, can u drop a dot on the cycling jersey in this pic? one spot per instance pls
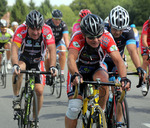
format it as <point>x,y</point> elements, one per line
<point>5,38</point>
<point>76,26</point>
<point>146,31</point>
<point>33,50</point>
<point>58,31</point>
<point>90,59</point>
<point>126,38</point>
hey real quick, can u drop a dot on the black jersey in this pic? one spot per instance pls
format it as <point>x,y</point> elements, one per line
<point>126,38</point>
<point>57,30</point>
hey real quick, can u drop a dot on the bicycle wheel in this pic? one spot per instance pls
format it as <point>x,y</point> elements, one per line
<point>52,87</point>
<point>97,118</point>
<point>35,108</point>
<point>119,111</point>
<point>3,77</point>
<point>58,83</point>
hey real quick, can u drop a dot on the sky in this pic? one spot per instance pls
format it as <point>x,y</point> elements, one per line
<point>38,2</point>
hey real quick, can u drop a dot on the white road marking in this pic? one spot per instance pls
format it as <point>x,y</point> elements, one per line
<point>147,124</point>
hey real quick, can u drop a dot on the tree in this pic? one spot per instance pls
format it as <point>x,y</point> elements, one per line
<point>19,11</point>
<point>32,5</point>
<point>45,8</point>
<point>3,7</point>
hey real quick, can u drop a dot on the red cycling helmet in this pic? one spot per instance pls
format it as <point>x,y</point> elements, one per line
<point>84,12</point>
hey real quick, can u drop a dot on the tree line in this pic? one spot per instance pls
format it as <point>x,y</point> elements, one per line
<point>139,10</point>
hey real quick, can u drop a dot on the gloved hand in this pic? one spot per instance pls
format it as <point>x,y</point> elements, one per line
<point>53,71</point>
<point>16,69</point>
<point>126,83</point>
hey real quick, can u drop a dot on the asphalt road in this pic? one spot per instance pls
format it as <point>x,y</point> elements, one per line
<point>53,111</point>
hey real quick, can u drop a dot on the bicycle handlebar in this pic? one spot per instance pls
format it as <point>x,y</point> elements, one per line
<point>98,83</point>
<point>2,50</point>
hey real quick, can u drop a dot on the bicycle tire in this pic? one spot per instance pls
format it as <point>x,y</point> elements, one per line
<point>4,75</point>
<point>112,121</point>
<point>97,119</point>
<point>147,85</point>
<point>35,104</point>
<point>58,83</point>
<point>52,88</point>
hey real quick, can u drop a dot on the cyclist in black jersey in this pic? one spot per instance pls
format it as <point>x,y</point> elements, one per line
<point>123,36</point>
<point>60,31</point>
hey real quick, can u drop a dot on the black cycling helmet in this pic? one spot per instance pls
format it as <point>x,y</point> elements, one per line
<point>57,14</point>
<point>3,23</point>
<point>35,19</point>
<point>92,25</point>
<point>119,18</point>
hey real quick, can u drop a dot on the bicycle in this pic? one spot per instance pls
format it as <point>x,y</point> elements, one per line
<point>113,107</point>
<point>92,115</point>
<point>4,70</point>
<point>26,98</point>
<point>57,81</point>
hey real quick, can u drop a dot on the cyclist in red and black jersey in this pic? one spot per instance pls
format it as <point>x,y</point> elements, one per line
<point>145,43</point>
<point>32,39</point>
<point>60,31</point>
<point>87,51</point>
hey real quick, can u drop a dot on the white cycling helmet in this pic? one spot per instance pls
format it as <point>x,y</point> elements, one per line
<point>119,18</point>
<point>14,23</point>
<point>106,20</point>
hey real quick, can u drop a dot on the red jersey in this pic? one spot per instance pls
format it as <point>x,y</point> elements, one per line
<point>146,30</point>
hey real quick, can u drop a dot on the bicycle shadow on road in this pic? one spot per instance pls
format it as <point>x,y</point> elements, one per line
<point>7,96</point>
<point>139,110</point>
<point>52,116</point>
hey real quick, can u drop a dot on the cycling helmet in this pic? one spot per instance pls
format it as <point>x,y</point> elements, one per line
<point>84,12</point>
<point>106,20</point>
<point>119,18</point>
<point>92,25</point>
<point>57,14</point>
<point>3,23</point>
<point>132,26</point>
<point>14,23</point>
<point>35,19</point>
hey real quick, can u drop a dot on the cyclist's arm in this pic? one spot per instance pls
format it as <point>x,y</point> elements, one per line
<point>144,40</point>
<point>134,55</point>
<point>65,37</point>
<point>72,57</point>
<point>118,61</point>
<point>14,53</point>
<point>52,54</point>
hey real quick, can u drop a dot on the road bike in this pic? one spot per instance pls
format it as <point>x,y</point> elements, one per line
<point>4,70</point>
<point>116,110</point>
<point>57,81</point>
<point>27,100</point>
<point>92,115</point>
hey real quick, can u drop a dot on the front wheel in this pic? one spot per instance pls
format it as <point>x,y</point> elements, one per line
<point>144,93</point>
<point>3,75</point>
<point>58,83</point>
<point>97,118</point>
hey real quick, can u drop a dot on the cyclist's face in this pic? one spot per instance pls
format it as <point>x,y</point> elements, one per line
<point>3,29</point>
<point>116,33</point>
<point>34,33</point>
<point>94,41</point>
<point>56,21</point>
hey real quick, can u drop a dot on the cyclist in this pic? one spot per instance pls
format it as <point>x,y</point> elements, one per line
<point>5,40</point>
<point>145,43</point>
<point>31,39</point>
<point>136,35</point>
<point>76,25</point>
<point>60,31</point>
<point>14,25</point>
<point>123,36</point>
<point>87,51</point>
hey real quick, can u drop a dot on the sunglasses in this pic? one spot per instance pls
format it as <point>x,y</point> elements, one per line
<point>4,27</point>
<point>93,37</point>
<point>56,19</point>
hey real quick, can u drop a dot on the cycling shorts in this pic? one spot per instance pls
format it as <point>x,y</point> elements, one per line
<point>38,66</point>
<point>86,76</point>
<point>60,43</point>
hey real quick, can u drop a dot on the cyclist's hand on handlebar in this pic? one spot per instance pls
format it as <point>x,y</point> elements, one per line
<point>75,78</point>
<point>16,69</point>
<point>53,71</point>
<point>126,83</point>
